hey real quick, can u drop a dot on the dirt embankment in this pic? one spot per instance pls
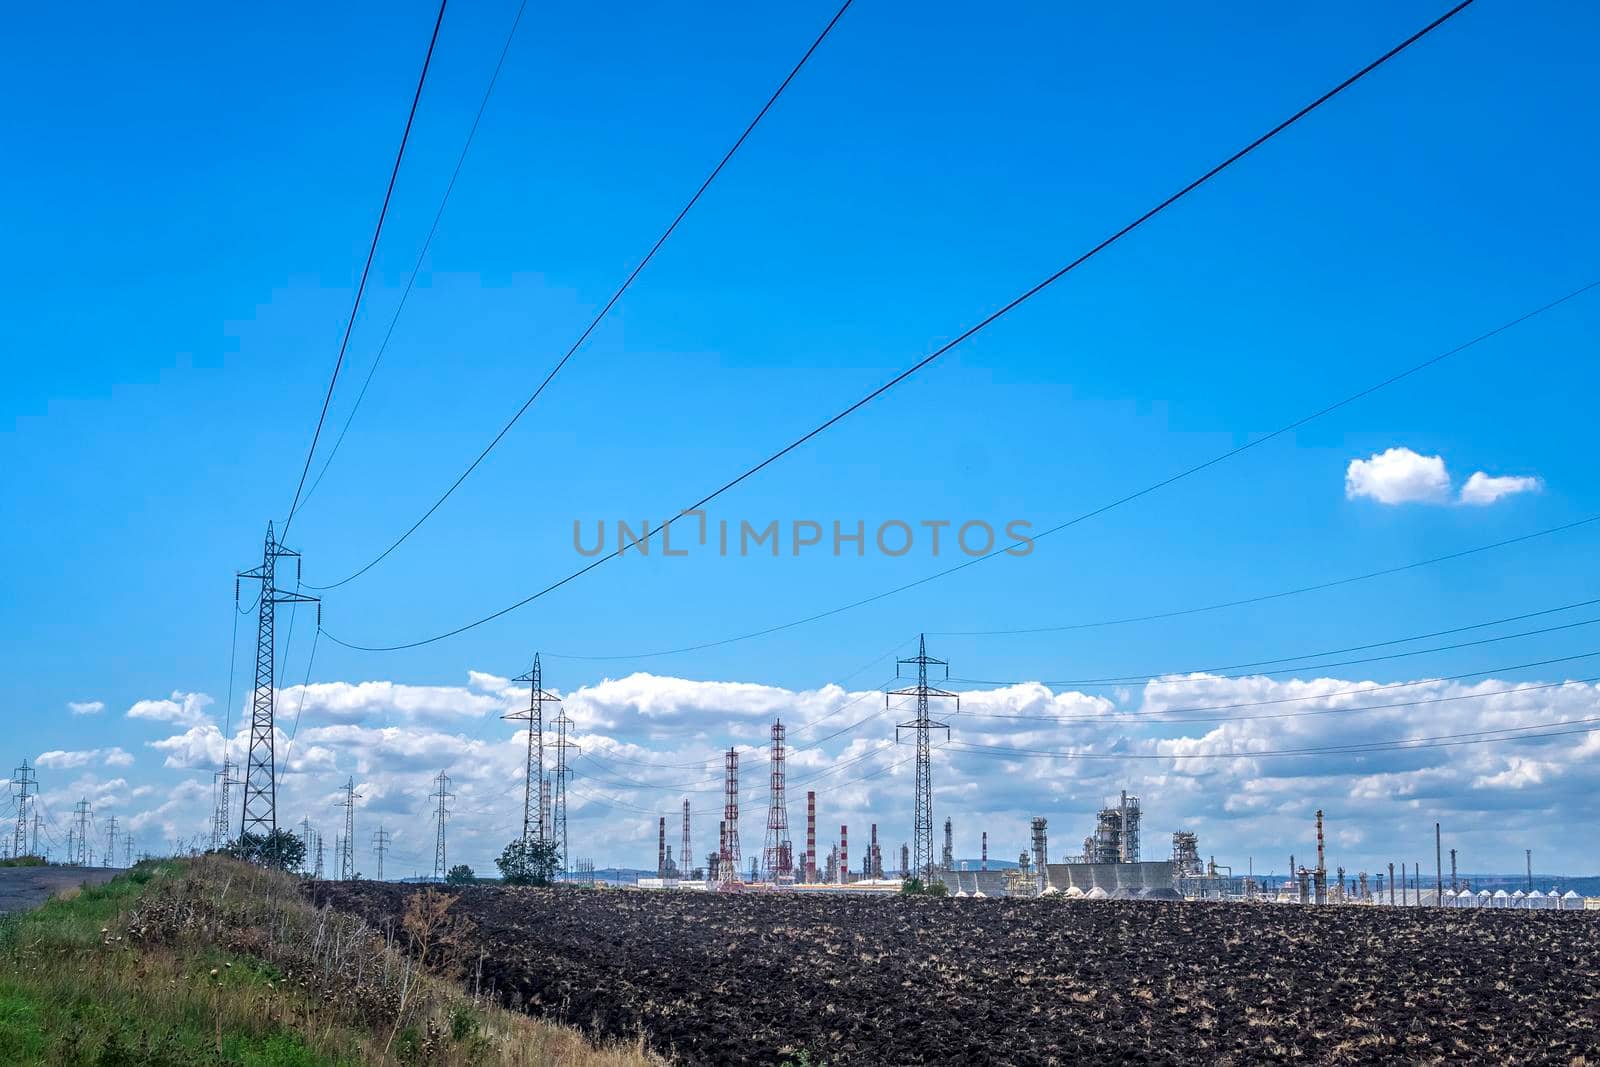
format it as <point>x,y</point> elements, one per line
<point>761,978</point>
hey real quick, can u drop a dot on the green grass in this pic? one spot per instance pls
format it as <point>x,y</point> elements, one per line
<point>72,993</point>
<point>24,861</point>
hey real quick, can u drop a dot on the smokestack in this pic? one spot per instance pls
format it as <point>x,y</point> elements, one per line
<point>1454,886</point>
<point>1529,852</point>
<point>1438,868</point>
<point>983,864</point>
<point>1320,864</point>
<point>661,849</point>
<point>684,855</point>
<point>844,854</point>
<point>811,837</point>
<point>873,863</point>
<point>1391,884</point>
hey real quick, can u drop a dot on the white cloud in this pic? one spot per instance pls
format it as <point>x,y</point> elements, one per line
<point>60,760</point>
<point>1401,476</point>
<point>86,707</point>
<point>1481,488</point>
<point>1398,476</point>
<point>648,741</point>
<point>180,708</point>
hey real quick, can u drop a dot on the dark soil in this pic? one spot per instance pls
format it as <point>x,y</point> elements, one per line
<point>761,978</point>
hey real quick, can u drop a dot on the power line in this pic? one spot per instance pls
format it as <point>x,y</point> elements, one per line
<point>1142,492</point>
<point>966,335</point>
<point>372,251</point>
<point>1213,672</point>
<point>423,254</point>
<point>609,304</point>
<point>1319,587</point>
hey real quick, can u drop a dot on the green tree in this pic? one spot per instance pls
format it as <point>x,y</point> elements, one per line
<point>279,850</point>
<point>460,874</point>
<point>526,862</point>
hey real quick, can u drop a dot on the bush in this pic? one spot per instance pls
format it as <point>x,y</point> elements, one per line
<point>527,862</point>
<point>460,874</point>
<point>279,851</point>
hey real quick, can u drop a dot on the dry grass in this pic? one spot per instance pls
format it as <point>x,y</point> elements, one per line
<point>212,960</point>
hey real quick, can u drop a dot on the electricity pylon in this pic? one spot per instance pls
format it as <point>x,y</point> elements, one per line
<point>84,815</point>
<point>347,847</point>
<point>533,822</point>
<point>111,842</point>
<point>260,811</point>
<point>922,821</point>
<point>220,837</point>
<point>380,845</point>
<point>559,822</point>
<point>24,787</point>
<point>442,794</point>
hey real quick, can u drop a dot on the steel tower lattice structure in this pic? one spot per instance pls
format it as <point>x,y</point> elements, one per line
<point>260,812</point>
<point>220,836</point>
<point>776,851</point>
<point>685,857</point>
<point>347,848</point>
<point>380,845</point>
<point>441,794</point>
<point>24,786</point>
<point>922,819</point>
<point>559,791</point>
<point>533,821</point>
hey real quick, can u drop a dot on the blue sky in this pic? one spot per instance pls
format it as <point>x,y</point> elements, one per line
<point>192,191</point>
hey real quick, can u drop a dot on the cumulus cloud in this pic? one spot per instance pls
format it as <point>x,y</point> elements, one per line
<point>1401,476</point>
<point>1245,773</point>
<point>1398,476</point>
<point>1482,489</point>
<point>179,708</point>
<point>59,759</point>
<point>86,707</point>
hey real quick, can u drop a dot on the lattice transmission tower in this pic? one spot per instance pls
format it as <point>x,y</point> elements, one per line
<point>533,815</point>
<point>922,818</point>
<point>84,815</point>
<point>563,745</point>
<point>260,811</point>
<point>222,815</point>
<point>347,844</point>
<point>777,850</point>
<point>441,793</point>
<point>24,787</point>
<point>380,845</point>
<point>110,856</point>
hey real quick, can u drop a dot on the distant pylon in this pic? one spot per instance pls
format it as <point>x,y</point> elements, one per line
<point>533,821</point>
<point>260,812</point>
<point>24,787</point>
<point>84,815</point>
<point>922,817</point>
<point>728,858</point>
<point>558,827</point>
<point>380,845</point>
<point>441,794</point>
<point>347,847</point>
<point>110,856</point>
<point>776,862</point>
<point>221,819</point>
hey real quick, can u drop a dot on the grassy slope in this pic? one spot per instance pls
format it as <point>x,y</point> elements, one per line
<point>207,960</point>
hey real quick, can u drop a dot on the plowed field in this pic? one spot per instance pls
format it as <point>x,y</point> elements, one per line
<point>888,980</point>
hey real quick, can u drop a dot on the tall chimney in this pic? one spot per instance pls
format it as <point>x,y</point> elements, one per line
<point>1454,887</point>
<point>1438,868</point>
<point>872,855</point>
<point>685,857</point>
<point>983,863</point>
<point>661,849</point>
<point>844,854</point>
<point>811,837</point>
